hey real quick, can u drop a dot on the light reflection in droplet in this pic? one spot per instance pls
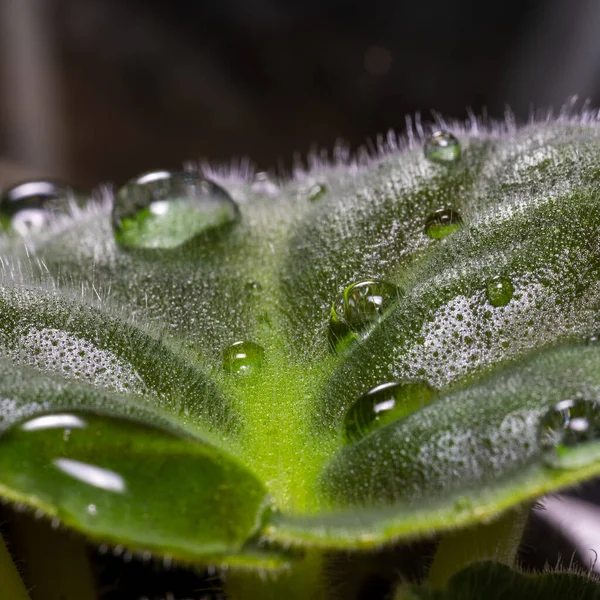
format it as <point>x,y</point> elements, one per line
<point>53,422</point>
<point>91,474</point>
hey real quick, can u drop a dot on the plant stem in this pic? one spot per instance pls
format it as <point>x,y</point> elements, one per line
<point>56,563</point>
<point>305,581</point>
<point>11,583</point>
<point>498,540</point>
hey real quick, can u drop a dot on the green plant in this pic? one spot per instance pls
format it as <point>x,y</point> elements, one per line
<point>194,376</point>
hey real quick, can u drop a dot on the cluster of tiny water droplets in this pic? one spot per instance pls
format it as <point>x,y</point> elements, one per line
<point>468,332</point>
<point>54,350</point>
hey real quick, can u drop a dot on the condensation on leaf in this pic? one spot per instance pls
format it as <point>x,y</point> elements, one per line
<point>442,147</point>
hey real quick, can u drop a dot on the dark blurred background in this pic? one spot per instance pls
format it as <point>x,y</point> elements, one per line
<point>97,90</point>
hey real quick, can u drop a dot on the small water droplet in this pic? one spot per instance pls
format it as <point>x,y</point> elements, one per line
<point>500,291</point>
<point>316,191</point>
<point>253,286</point>
<point>164,209</point>
<point>361,305</point>
<point>442,223</point>
<point>565,431</point>
<point>263,184</point>
<point>243,358</point>
<point>383,404</point>
<point>29,206</point>
<point>104,480</point>
<point>442,147</point>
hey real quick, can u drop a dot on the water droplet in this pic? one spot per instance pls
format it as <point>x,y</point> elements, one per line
<point>165,209</point>
<point>316,191</point>
<point>442,147</point>
<point>442,223</point>
<point>29,206</point>
<point>243,358</point>
<point>104,479</point>
<point>566,430</point>
<point>500,291</point>
<point>361,305</point>
<point>263,184</point>
<point>383,404</point>
<point>253,286</point>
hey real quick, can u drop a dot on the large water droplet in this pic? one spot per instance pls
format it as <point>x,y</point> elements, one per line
<point>383,404</point>
<point>122,480</point>
<point>566,432</point>
<point>165,209</point>
<point>29,206</point>
<point>361,305</point>
<point>243,358</point>
<point>500,291</point>
<point>442,147</point>
<point>442,223</point>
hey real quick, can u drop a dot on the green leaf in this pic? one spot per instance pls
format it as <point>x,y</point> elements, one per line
<point>466,457</point>
<point>497,582</point>
<point>478,291</point>
<point>135,480</point>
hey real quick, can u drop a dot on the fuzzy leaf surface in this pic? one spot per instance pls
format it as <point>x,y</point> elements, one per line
<point>140,335</point>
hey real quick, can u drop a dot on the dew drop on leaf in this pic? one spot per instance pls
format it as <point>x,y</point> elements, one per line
<point>361,305</point>
<point>243,358</point>
<point>383,404</point>
<point>122,479</point>
<point>263,184</point>
<point>316,192</point>
<point>566,432</point>
<point>500,291</point>
<point>442,147</point>
<point>28,206</point>
<point>164,209</point>
<point>442,223</point>
<point>253,286</point>
<point>311,190</point>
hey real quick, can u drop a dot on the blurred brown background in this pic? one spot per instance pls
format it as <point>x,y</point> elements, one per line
<point>97,90</point>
